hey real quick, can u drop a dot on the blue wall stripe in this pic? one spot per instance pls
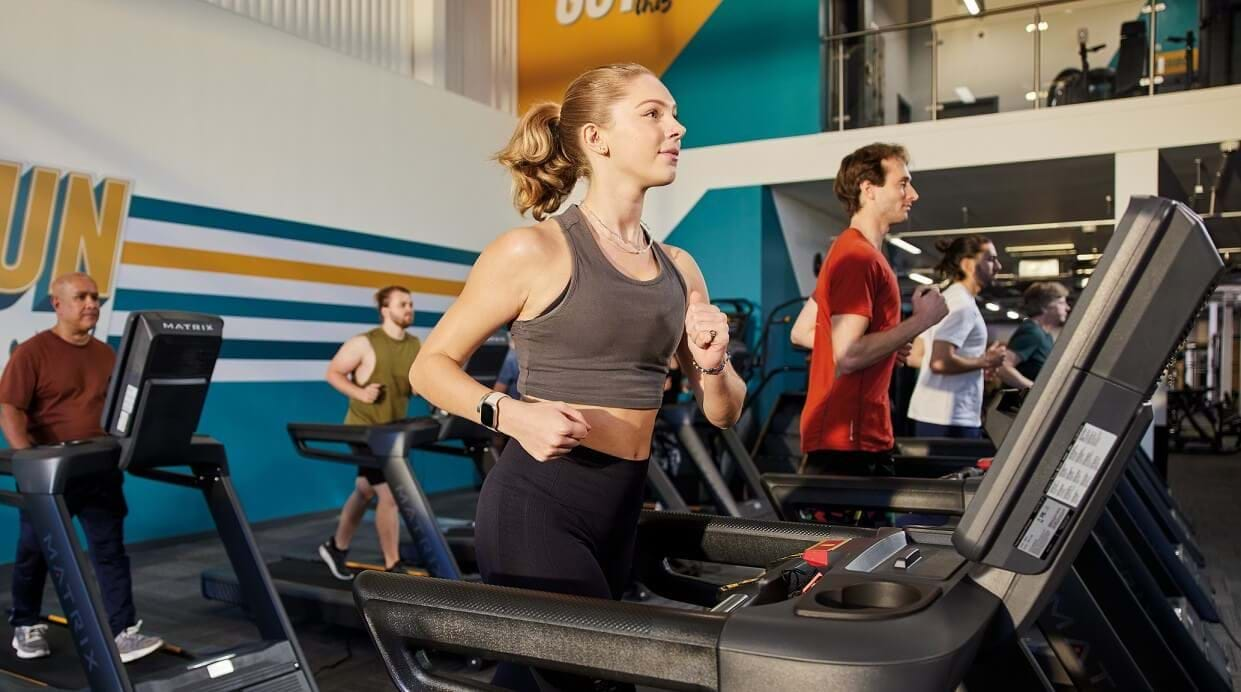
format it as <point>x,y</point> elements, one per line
<point>209,217</point>
<point>136,299</point>
<point>257,349</point>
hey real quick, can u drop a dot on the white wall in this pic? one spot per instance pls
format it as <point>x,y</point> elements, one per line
<point>1146,123</point>
<point>200,105</point>
<point>806,231</point>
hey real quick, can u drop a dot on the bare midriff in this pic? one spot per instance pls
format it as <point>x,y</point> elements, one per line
<point>620,432</point>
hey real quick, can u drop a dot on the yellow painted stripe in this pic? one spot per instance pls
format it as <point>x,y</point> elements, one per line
<point>167,257</point>
<point>23,678</point>
<point>380,568</point>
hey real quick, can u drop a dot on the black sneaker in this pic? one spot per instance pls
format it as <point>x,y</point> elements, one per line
<point>334,558</point>
<point>403,567</point>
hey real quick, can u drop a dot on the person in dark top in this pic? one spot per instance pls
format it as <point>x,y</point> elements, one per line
<point>52,391</point>
<point>1047,304</point>
<point>597,308</point>
<point>371,369</point>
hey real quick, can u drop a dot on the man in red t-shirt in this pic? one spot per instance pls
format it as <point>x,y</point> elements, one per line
<point>52,391</point>
<point>846,425</point>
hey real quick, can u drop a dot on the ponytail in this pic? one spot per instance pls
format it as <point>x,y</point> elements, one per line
<point>953,250</point>
<point>542,175</point>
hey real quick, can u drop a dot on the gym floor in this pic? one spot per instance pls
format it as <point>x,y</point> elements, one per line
<point>166,576</point>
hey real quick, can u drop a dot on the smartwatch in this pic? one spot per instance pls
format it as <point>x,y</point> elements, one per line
<point>489,410</point>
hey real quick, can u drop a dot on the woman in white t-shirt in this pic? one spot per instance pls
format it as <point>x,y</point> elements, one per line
<point>947,399</point>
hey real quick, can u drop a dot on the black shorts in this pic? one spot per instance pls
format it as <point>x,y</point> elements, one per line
<point>372,475</point>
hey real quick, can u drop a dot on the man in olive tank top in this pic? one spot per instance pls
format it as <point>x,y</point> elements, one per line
<point>372,369</point>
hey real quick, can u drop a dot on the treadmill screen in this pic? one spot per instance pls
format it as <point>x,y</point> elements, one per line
<point>163,367</point>
<point>1084,416</point>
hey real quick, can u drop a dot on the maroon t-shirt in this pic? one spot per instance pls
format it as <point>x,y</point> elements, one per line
<point>60,386</point>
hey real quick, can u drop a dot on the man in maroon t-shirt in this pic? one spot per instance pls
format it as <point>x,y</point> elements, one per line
<point>846,424</point>
<point>52,391</point>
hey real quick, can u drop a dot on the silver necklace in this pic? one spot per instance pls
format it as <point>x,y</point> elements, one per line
<point>615,238</point>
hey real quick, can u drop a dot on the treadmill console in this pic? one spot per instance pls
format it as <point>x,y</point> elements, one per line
<point>1081,420</point>
<point>163,365</point>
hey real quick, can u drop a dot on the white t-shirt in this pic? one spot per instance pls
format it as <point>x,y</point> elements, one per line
<point>952,399</point>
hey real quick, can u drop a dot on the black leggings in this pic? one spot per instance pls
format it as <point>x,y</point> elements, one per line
<point>566,526</point>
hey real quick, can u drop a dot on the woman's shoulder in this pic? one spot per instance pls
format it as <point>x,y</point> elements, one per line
<point>538,241</point>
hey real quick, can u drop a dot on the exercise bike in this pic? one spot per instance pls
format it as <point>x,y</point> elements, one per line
<point>1085,83</point>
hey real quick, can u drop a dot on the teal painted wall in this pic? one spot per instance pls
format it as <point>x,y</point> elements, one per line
<point>721,234</point>
<point>734,234</point>
<point>779,286</point>
<point>751,72</point>
<point>271,479</point>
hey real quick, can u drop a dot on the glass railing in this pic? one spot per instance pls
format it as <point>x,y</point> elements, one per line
<point>1010,58</point>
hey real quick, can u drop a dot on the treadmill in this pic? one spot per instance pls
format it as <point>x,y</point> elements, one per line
<point>153,406</point>
<point>444,548</point>
<point>880,609</point>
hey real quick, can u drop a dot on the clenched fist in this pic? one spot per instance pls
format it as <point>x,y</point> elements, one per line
<point>371,393</point>
<point>706,330</point>
<point>929,305</point>
<point>903,353</point>
<point>545,429</point>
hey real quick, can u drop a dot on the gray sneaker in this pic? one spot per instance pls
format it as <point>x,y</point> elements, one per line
<point>31,642</point>
<point>133,645</point>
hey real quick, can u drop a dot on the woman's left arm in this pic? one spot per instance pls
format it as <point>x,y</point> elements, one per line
<point>705,343</point>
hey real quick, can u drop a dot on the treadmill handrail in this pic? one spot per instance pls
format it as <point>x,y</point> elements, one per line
<point>743,542</point>
<point>45,469</point>
<point>304,433</point>
<point>666,647</point>
<point>357,436</point>
<point>946,496</point>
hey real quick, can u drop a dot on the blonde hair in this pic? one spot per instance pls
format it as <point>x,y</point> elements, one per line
<point>545,155</point>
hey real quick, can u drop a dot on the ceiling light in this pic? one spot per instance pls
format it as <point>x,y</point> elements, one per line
<point>1089,228</point>
<point>964,94</point>
<point>1038,268</point>
<point>1012,315</point>
<point>973,6</point>
<point>1084,282</point>
<point>1042,248</point>
<point>905,245</point>
<point>915,276</point>
<point>992,307</point>
<point>1088,256</point>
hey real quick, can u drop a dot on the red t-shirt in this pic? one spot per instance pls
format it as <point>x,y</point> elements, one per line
<point>60,386</point>
<point>851,412</point>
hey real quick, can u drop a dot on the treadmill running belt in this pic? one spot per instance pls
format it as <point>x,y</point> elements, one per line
<point>62,669</point>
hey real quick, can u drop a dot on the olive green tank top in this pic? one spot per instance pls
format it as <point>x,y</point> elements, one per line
<point>392,361</point>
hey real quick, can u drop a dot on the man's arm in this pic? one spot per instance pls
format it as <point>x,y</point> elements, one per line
<point>802,333</point>
<point>945,360</point>
<point>15,424</point>
<point>856,350</point>
<point>344,363</point>
<point>1012,377</point>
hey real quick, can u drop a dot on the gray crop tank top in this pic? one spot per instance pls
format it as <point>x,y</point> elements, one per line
<point>607,339</point>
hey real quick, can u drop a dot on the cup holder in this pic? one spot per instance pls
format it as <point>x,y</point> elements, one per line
<point>865,600</point>
<point>874,594</point>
